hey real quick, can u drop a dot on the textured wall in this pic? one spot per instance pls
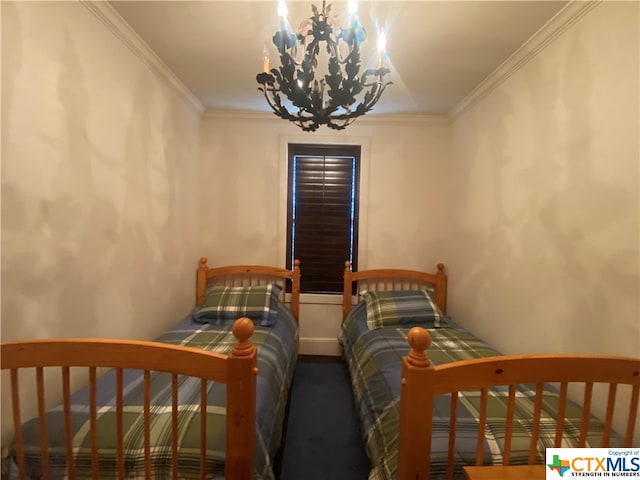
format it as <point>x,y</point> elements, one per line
<point>244,163</point>
<point>100,163</point>
<point>545,203</point>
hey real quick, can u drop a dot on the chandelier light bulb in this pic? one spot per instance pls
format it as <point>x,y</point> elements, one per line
<point>353,7</point>
<point>282,9</point>
<point>265,60</point>
<point>382,42</point>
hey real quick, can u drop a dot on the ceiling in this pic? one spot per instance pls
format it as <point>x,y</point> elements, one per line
<point>438,51</point>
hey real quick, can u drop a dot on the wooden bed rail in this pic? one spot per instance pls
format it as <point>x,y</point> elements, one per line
<point>385,279</point>
<point>248,275</point>
<point>422,382</point>
<point>238,370</point>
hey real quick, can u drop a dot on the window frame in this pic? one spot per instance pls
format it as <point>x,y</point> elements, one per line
<point>352,153</point>
<point>356,136</point>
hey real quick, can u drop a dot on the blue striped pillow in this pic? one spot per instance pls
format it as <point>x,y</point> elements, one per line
<point>401,308</point>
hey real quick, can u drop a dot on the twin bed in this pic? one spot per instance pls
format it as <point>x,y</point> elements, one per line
<point>144,418</point>
<point>432,398</point>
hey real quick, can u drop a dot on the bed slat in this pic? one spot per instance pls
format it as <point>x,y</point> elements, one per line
<point>44,451</point>
<point>482,424</point>
<point>120,422</point>
<point>203,427</point>
<point>147,423</point>
<point>93,421</point>
<point>535,430</point>
<point>174,426</point>
<point>562,407</point>
<point>586,412</point>
<point>66,396</point>
<point>511,407</point>
<point>608,423</point>
<point>15,405</point>
<point>633,415</point>
<point>452,434</point>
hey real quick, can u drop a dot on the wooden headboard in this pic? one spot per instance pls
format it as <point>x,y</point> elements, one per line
<point>249,275</point>
<point>386,279</point>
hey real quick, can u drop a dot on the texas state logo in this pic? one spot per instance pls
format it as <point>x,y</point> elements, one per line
<point>592,462</point>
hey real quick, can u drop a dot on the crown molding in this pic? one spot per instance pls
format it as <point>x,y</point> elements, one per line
<point>370,118</point>
<point>123,31</point>
<point>551,30</point>
<point>237,114</point>
<point>431,119</point>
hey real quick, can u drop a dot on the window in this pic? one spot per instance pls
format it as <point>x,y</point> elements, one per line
<point>322,213</point>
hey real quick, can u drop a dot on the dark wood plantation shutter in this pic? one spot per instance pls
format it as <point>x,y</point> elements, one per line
<point>322,226</point>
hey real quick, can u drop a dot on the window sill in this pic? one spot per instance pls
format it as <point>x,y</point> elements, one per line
<point>321,298</point>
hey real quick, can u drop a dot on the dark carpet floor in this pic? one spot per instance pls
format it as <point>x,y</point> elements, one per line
<point>323,440</point>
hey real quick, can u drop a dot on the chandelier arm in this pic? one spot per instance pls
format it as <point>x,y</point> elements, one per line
<point>305,122</point>
<point>334,50</point>
<point>282,111</point>
<point>341,126</point>
<point>276,106</point>
<point>377,93</point>
<point>352,49</point>
<point>292,58</point>
<point>273,99</point>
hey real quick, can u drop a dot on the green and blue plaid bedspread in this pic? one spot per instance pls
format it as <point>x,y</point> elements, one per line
<point>277,354</point>
<point>375,363</point>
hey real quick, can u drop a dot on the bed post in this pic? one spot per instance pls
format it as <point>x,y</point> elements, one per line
<point>201,281</point>
<point>295,291</point>
<point>441,291</point>
<point>346,289</point>
<point>416,409</point>
<point>241,403</point>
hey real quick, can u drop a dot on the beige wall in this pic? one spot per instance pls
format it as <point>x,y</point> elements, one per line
<point>401,208</point>
<point>545,197</point>
<point>99,182</point>
<point>545,202</point>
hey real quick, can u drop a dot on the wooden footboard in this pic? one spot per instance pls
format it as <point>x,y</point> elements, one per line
<point>238,370</point>
<point>421,383</point>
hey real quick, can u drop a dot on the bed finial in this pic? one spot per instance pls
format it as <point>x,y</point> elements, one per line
<point>440,268</point>
<point>242,330</point>
<point>419,339</point>
<point>203,262</point>
<point>347,266</point>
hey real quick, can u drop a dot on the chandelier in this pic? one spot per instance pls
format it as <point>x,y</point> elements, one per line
<point>343,94</point>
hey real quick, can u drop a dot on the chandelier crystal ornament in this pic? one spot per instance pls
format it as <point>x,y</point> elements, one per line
<point>343,93</point>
